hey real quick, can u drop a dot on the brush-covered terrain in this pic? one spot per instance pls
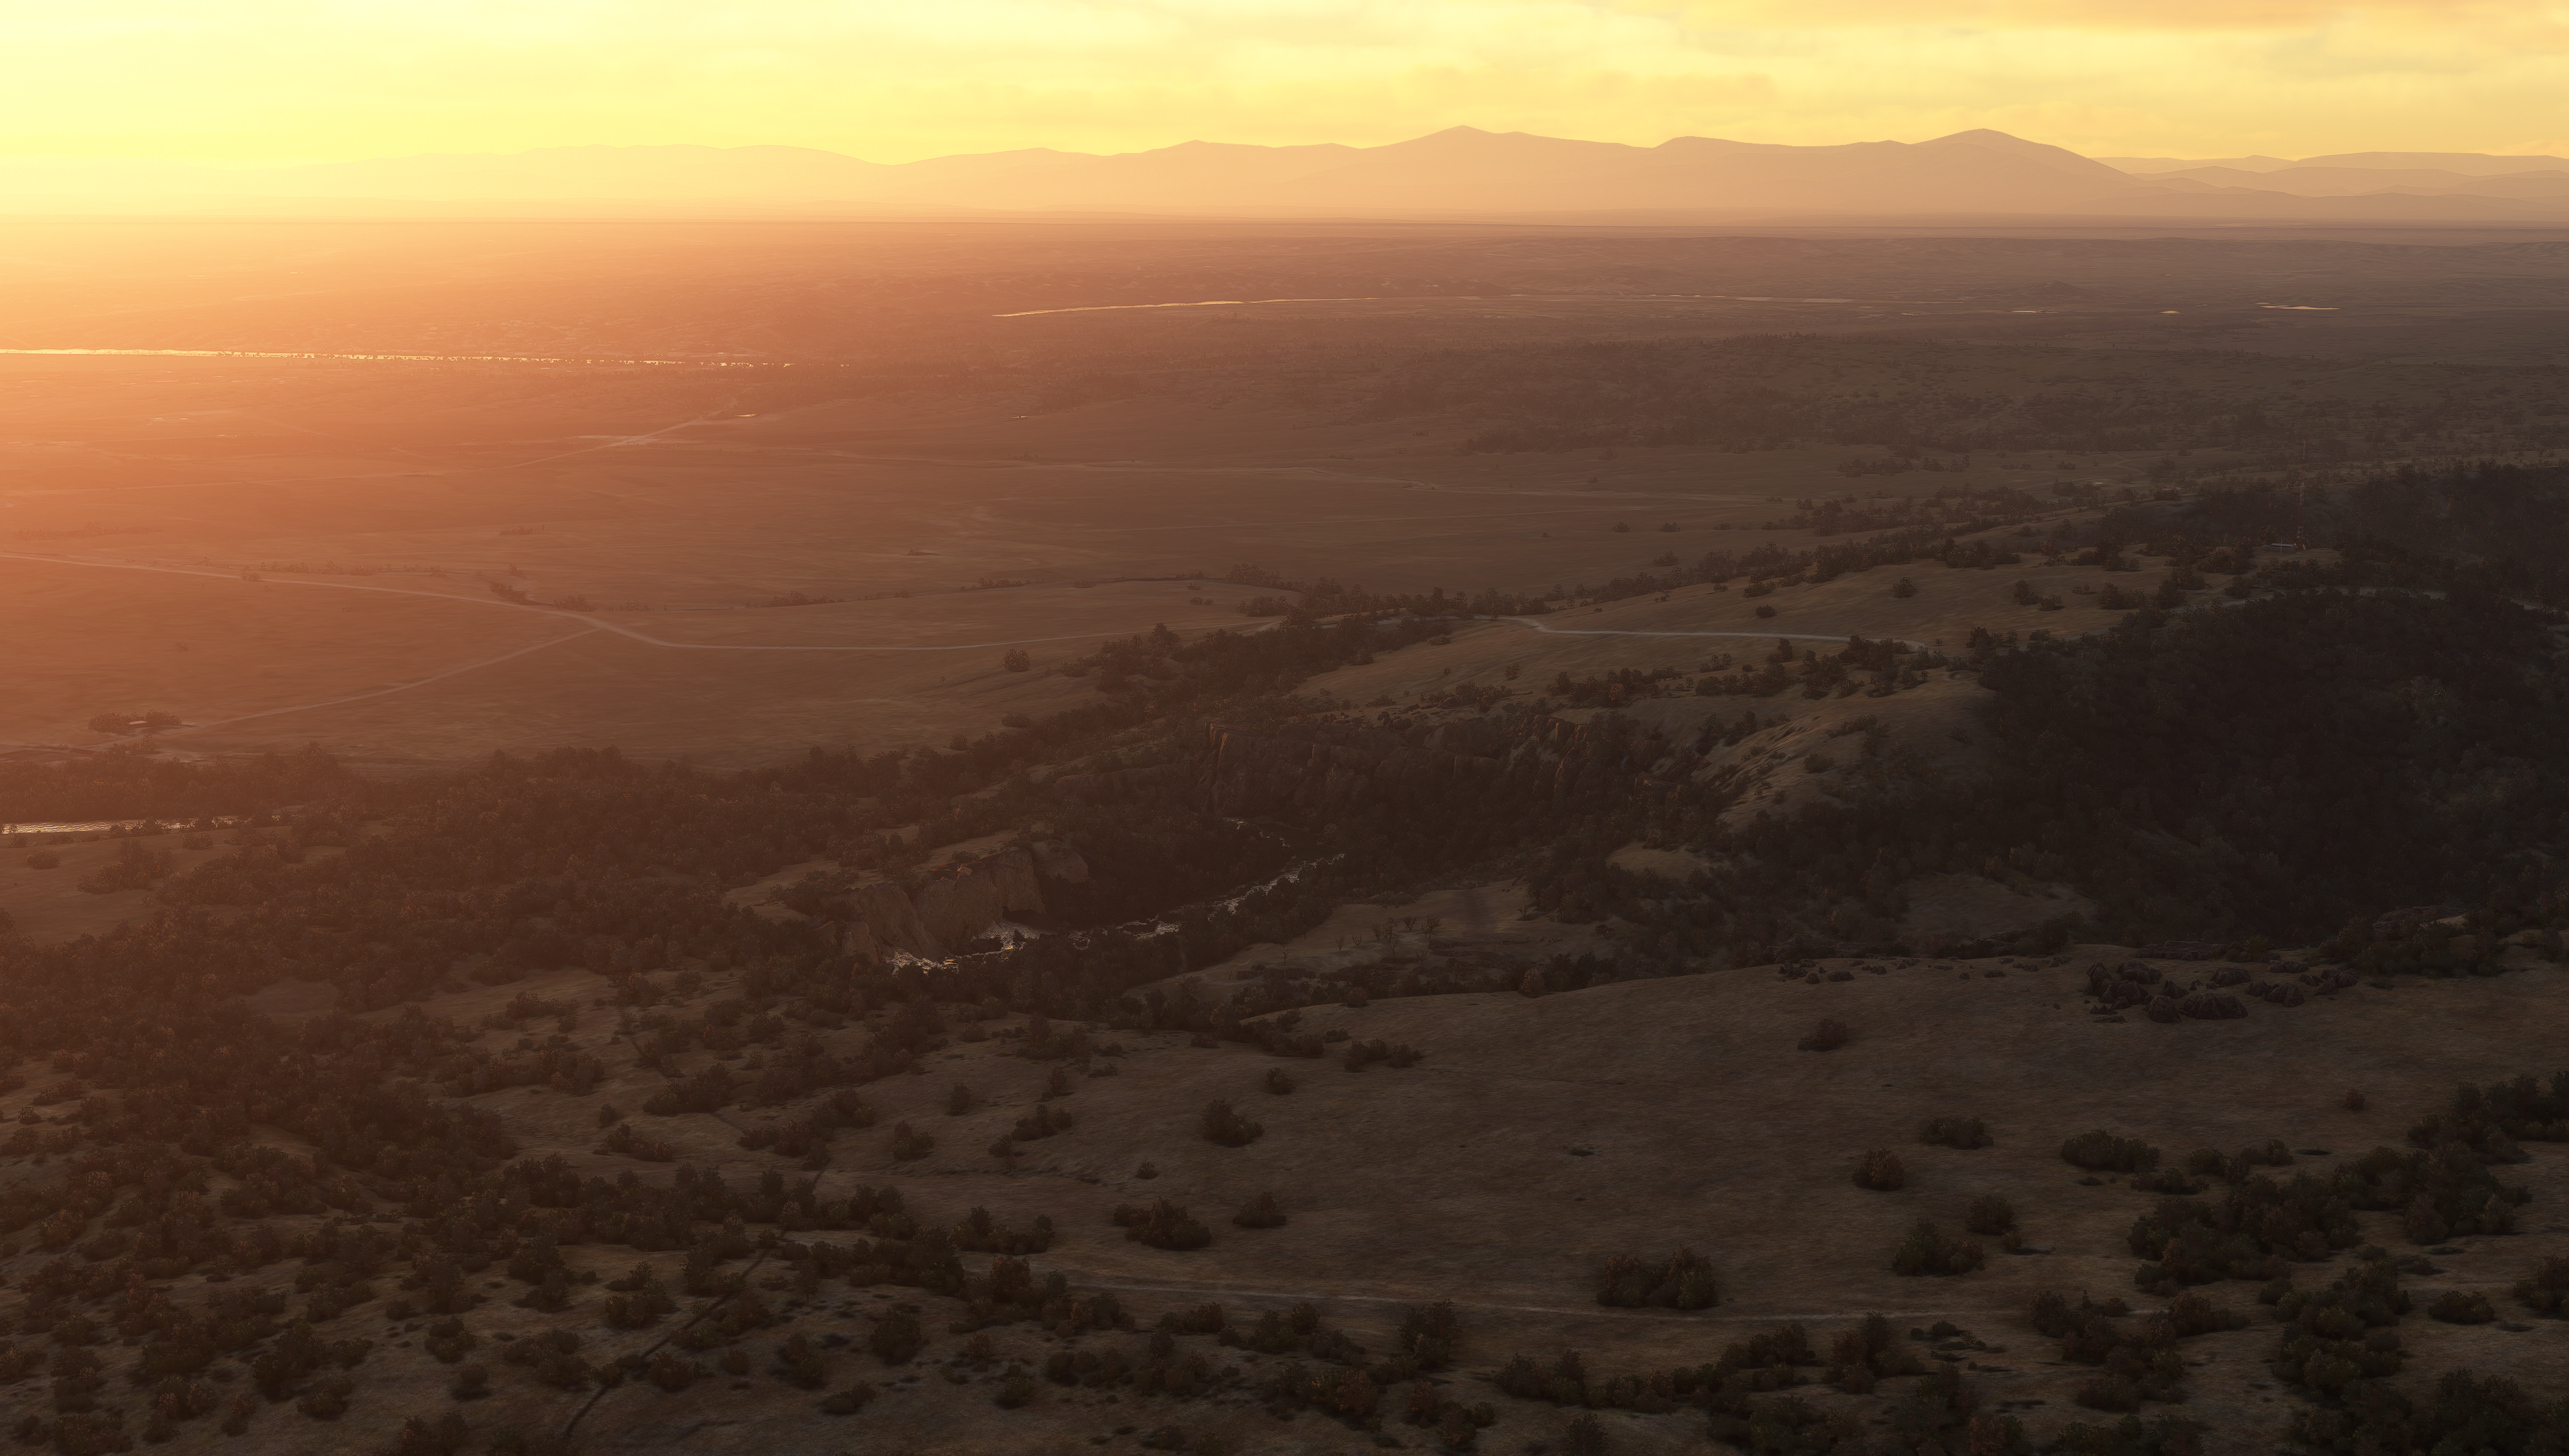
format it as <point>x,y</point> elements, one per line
<point>1550,843</point>
<point>2010,998</point>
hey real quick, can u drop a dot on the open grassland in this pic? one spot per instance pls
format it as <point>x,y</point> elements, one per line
<point>96,639</point>
<point>226,466</point>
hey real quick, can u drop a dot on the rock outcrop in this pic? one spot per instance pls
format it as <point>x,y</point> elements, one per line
<point>954,904</point>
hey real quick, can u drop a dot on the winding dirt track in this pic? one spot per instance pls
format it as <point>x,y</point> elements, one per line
<point>594,624</point>
<point>589,626</point>
<point>1536,624</point>
<point>1584,1312</point>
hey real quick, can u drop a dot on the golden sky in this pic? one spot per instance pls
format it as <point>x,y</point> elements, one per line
<point>893,80</point>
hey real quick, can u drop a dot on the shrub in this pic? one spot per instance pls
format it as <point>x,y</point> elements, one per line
<point>1040,1124</point>
<point>1989,1214</point>
<point>1880,1171</point>
<point>2102,1152</point>
<point>2491,1120</point>
<point>982,1234</point>
<point>2342,1334</point>
<point>2108,1392</point>
<point>1956,1132</point>
<point>2465,1413</point>
<point>1278,1081</point>
<point>1262,1213</point>
<point>907,1143</point>
<point>1223,1124</point>
<point>1829,1036</point>
<point>2454,1307</point>
<point>797,1363</point>
<point>2167,1181</point>
<point>1164,1225</point>
<point>1428,1335</point>
<point>1866,1355</point>
<point>1585,1438</point>
<point>327,1401</point>
<point>449,1341</point>
<point>849,1401</point>
<point>1929,1252</point>
<point>2269,1154</point>
<point>1362,1054</point>
<point>1014,1392</point>
<point>2353,1101</point>
<point>1764,611</point>
<point>2546,1291</point>
<point>1683,1281</point>
<point>897,1337</point>
<point>2190,1314</point>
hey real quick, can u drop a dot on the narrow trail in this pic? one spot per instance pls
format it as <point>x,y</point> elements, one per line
<point>619,442</point>
<point>1597,1311</point>
<point>593,624</point>
<point>589,626</point>
<point>1537,625</point>
<point>381,691</point>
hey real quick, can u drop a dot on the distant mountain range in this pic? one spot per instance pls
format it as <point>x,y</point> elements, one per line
<point>1461,172</point>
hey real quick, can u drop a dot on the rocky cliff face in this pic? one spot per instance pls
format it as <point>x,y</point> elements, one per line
<point>955,903</point>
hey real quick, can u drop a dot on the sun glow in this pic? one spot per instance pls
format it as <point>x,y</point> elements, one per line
<point>290,80</point>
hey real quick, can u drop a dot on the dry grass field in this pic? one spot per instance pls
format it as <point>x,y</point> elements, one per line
<point>647,504</point>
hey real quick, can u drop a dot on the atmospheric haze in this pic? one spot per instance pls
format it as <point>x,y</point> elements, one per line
<point>1458,171</point>
<point>1478,794</point>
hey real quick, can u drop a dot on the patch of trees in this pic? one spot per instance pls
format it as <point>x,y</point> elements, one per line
<point>2137,1363</point>
<point>2490,1120</point>
<point>2149,769</point>
<point>1941,1413</point>
<point>2487,1412</point>
<point>2345,1334</point>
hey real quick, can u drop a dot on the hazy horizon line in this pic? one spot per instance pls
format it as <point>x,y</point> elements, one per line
<point>278,163</point>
